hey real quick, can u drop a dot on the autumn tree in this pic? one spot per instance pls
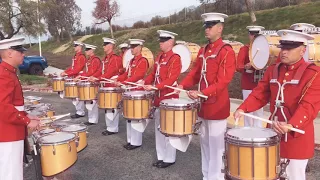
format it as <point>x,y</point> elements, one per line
<point>18,16</point>
<point>105,11</point>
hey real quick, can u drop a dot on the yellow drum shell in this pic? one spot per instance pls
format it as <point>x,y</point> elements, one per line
<point>58,84</point>
<point>136,109</point>
<point>80,131</point>
<point>50,113</point>
<point>70,90</point>
<point>314,50</point>
<point>57,157</point>
<point>109,98</point>
<point>87,91</point>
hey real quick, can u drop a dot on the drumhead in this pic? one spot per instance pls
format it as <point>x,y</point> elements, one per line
<point>127,56</point>
<point>259,52</point>
<point>136,94</point>
<point>185,55</point>
<point>70,83</point>
<point>87,83</point>
<point>74,128</point>
<point>47,131</point>
<point>56,137</point>
<point>60,123</point>
<point>58,78</point>
<point>110,89</point>
<point>251,134</point>
<point>177,102</point>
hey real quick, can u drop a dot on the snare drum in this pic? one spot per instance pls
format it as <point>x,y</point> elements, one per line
<point>58,84</point>
<point>252,153</point>
<point>57,125</point>
<point>58,152</point>
<point>81,131</point>
<point>70,90</point>
<point>50,113</point>
<point>137,104</point>
<point>45,124</point>
<point>87,91</point>
<point>177,117</point>
<point>47,131</point>
<point>109,97</point>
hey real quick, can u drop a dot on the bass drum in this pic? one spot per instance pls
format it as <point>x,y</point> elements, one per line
<point>188,53</point>
<point>127,56</point>
<point>235,46</point>
<point>314,50</point>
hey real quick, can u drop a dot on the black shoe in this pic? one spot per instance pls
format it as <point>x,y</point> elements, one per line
<point>132,147</point>
<point>75,116</point>
<point>106,133</point>
<point>89,123</point>
<point>164,165</point>
<point>127,145</point>
<point>157,163</point>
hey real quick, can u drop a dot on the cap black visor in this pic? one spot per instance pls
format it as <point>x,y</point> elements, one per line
<point>75,45</point>
<point>19,48</point>
<point>106,43</point>
<point>254,32</point>
<point>134,45</point>
<point>210,24</point>
<point>289,44</point>
<point>87,49</point>
<point>164,39</point>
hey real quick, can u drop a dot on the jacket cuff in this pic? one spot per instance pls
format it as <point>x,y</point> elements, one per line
<point>22,116</point>
<point>209,91</point>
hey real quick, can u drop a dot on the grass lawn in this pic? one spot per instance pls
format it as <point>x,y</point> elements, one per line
<point>32,79</point>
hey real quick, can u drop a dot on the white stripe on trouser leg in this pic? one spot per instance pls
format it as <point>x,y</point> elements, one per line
<point>212,148</point>
<point>93,115</point>
<point>134,137</point>
<point>248,121</point>
<point>296,169</point>
<point>112,122</point>
<point>165,151</point>
<point>79,107</point>
<point>11,160</point>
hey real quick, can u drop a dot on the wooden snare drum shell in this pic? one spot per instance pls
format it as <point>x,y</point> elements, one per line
<point>177,122</point>
<point>58,85</point>
<point>63,158</point>
<point>136,109</point>
<point>109,100</point>
<point>87,93</point>
<point>50,113</point>
<point>71,92</point>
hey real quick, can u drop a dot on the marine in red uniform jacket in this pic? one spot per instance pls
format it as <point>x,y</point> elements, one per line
<point>219,73</point>
<point>93,65</point>
<point>78,63</point>
<point>136,71</point>
<point>111,66</point>
<point>170,68</point>
<point>12,122</point>
<point>247,76</point>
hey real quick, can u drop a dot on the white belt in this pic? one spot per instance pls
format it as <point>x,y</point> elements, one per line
<point>249,71</point>
<point>20,108</point>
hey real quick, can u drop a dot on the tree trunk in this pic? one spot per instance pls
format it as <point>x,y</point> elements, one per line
<point>111,30</point>
<point>251,11</point>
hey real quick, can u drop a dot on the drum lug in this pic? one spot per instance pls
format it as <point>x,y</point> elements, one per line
<point>196,128</point>
<point>120,104</point>
<point>53,150</point>
<point>69,147</point>
<point>77,142</point>
<point>151,112</point>
<point>224,160</point>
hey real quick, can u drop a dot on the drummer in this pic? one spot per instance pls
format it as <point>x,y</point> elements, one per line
<point>92,66</point>
<point>14,120</point>
<point>78,63</point>
<point>123,47</point>
<point>111,68</point>
<point>213,77</point>
<point>249,74</point>
<point>300,109</point>
<point>166,72</point>
<point>136,70</point>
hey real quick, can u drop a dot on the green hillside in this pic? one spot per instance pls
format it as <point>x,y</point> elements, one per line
<point>235,28</point>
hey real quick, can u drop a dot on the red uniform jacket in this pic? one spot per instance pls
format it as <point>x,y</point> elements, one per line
<point>78,63</point>
<point>220,71</point>
<point>137,70</point>
<point>247,77</point>
<point>93,65</point>
<point>302,104</point>
<point>170,69</point>
<point>12,121</point>
<point>111,65</point>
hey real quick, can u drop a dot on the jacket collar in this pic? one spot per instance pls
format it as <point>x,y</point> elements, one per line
<point>8,67</point>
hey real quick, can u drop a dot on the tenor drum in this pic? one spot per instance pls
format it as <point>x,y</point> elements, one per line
<point>87,91</point>
<point>81,132</point>
<point>252,153</point>
<point>58,84</point>
<point>188,53</point>
<point>137,104</point>
<point>236,46</point>
<point>109,97</point>
<point>70,90</point>
<point>58,152</point>
<point>45,124</point>
<point>314,50</point>
<point>127,56</point>
<point>50,113</point>
<point>177,117</point>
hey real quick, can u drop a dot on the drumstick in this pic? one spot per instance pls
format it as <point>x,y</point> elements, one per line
<point>256,53</point>
<point>169,94</point>
<point>270,122</point>
<point>154,88</point>
<point>200,95</point>
<point>85,77</point>
<point>112,81</point>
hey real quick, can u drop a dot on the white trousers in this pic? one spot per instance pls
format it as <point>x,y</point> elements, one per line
<point>112,120</point>
<point>93,115</point>
<point>134,137</point>
<point>248,121</point>
<point>11,160</point>
<point>79,107</point>
<point>165,151</point>
<point>296,169</point>
<point>212,148</point>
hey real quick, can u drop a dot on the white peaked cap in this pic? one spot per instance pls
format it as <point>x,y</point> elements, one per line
<point>8,43</point>
<point>301,26</point>
<point>136,41</point>
<point>214,17</point>
<point>109,40</point>
<point>89,46</point>
<point>163,33</point>
<point>294,36</point>
<point>77,43</point>
<point>255,28</point>
<point>123,45</point>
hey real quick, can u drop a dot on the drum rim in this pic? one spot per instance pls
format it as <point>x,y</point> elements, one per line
<point>86,83</point>
<point>250,54</point>
<point>85,128</point>
<point>47,132</point>
<point>164,104</point>
<point>110,89</point>
<point>140,96</point>
<point>70,83</point>
<point>58,78</point>
<point>228,176</point>
<point>55,143</point>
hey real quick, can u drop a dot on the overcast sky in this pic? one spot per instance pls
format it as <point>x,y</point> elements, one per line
<point>135,10</point>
